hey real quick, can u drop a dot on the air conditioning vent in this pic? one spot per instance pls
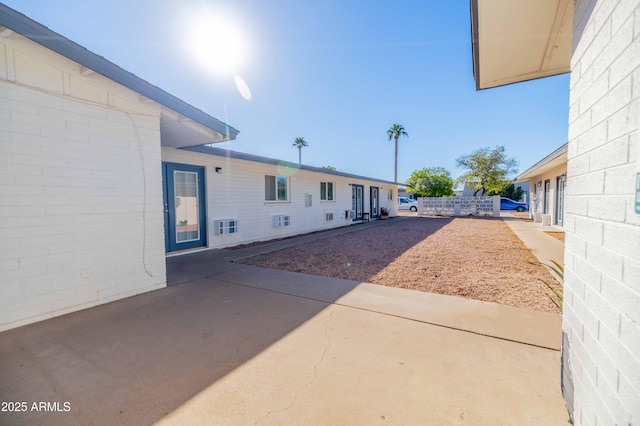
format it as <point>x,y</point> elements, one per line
<point>225,226</point>
<point>281,221</point>
<point>328,217</point>
<point>349,214</point>
<point>308,200</point>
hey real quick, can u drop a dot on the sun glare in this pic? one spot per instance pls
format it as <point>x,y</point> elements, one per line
<point>217,43</point>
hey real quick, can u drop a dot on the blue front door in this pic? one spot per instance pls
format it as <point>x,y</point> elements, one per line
<point>184,206</point>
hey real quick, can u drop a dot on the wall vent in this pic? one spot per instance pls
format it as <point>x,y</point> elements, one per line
<point>349,214</point>
<point>328,217</point>
<point>225,226</point>
<point>281,221</point>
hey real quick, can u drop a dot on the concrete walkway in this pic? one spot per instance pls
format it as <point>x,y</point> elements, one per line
<point>234,344</point>
<point>543,246</point>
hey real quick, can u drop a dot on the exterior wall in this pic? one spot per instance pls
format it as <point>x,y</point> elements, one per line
<point>538,194</point>
<point>601,319</point>
<point>80,188</point>
<point>237,192</point>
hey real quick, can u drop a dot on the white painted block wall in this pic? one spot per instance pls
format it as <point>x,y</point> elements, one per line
<point>601,321</point>
<point>81,219</point>
<point>237,192</point>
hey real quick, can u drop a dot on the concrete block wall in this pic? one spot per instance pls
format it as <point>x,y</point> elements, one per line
<point>81,219</point>
<point>601,321</point>
<point>237,192</point>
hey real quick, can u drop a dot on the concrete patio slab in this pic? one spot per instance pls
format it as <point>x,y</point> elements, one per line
<point>234,344</point>
<point>491,319</point>
<point>348,366</point>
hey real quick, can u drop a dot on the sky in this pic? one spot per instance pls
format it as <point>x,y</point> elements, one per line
<point>338,73</point>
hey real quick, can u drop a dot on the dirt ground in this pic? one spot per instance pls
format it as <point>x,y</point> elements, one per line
<point>476,258</point>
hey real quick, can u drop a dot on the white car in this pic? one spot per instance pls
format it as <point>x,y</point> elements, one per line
<point>405,203</point>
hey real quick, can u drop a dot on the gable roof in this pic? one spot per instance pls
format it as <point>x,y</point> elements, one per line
<point>266,160</point>
<point>26,27</point>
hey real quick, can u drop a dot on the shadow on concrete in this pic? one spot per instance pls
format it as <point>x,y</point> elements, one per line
<point>135,360</point>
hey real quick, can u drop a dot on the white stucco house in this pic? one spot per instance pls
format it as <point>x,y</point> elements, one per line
<point>103,174</point>
<point>547,182</point>
<point>598,41</point>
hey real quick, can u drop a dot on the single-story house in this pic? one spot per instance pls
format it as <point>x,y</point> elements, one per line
<point>547,180</point>
<point>598,41</point>
<point>102,174</point>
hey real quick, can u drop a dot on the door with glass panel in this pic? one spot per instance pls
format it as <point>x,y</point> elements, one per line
<point>184,206</point>
<point>374,201</point>
<point>357,200</point>
<point>547,197</point>
<point>560,182</point>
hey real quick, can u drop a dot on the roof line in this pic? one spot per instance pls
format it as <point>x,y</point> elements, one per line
<point>42,35</point>
<point>220,152</point>
<point>555,154</point>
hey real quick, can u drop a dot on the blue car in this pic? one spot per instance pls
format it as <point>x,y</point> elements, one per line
<point>508,204</point>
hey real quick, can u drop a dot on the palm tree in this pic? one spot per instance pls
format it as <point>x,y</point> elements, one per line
<point>300,143</point>
<point>395,132</point>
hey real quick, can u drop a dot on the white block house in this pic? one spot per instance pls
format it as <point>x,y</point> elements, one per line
<point>547,182</point>
<point>263,198</point>
<point>96,185</point>
<point>598,41</point>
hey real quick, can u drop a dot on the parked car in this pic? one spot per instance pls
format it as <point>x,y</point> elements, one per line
<point>405,203</point>
<point>509,204</point>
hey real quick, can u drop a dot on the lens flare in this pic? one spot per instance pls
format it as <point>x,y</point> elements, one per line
<point>286,168</point>
<point>243,87</point>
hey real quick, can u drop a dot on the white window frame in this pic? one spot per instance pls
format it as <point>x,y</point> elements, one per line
<point>276,194</point>
<point>324,194</point>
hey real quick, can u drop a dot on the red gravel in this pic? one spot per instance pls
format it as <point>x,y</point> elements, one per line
<point>476,258</point>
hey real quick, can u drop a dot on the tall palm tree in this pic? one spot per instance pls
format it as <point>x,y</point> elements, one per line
<point>395,132</point>
<point>300,143</point>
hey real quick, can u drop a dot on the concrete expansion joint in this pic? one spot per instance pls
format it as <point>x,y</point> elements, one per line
<point>449,327</point>
<point>344,305</point>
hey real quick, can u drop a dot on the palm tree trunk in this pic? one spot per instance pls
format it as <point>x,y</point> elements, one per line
<point>395,169</point>
<point>300,156</point>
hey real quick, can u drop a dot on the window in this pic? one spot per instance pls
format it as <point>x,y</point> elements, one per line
<point>326,191</point>
<point>275,188</point>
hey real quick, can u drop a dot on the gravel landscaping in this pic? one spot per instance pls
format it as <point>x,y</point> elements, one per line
<point>476,258</point>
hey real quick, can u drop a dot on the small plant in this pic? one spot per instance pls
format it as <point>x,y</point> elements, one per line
<point>384,211</point>
<point>558,270</point>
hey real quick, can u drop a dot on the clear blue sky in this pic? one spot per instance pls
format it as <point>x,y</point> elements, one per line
<point>338,73</point>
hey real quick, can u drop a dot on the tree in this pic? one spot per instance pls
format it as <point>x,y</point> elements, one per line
<point>487,169</point>
<point>510,191</point>
<point>300,143</point>
<point>395,132</point>
<point>430,182</point>
<point>328,167</point>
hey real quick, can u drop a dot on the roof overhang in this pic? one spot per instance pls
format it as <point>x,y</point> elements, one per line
<point>179,131</point>
<point>520,40</point>
<point>556,159</point>
<point>181,124</point>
